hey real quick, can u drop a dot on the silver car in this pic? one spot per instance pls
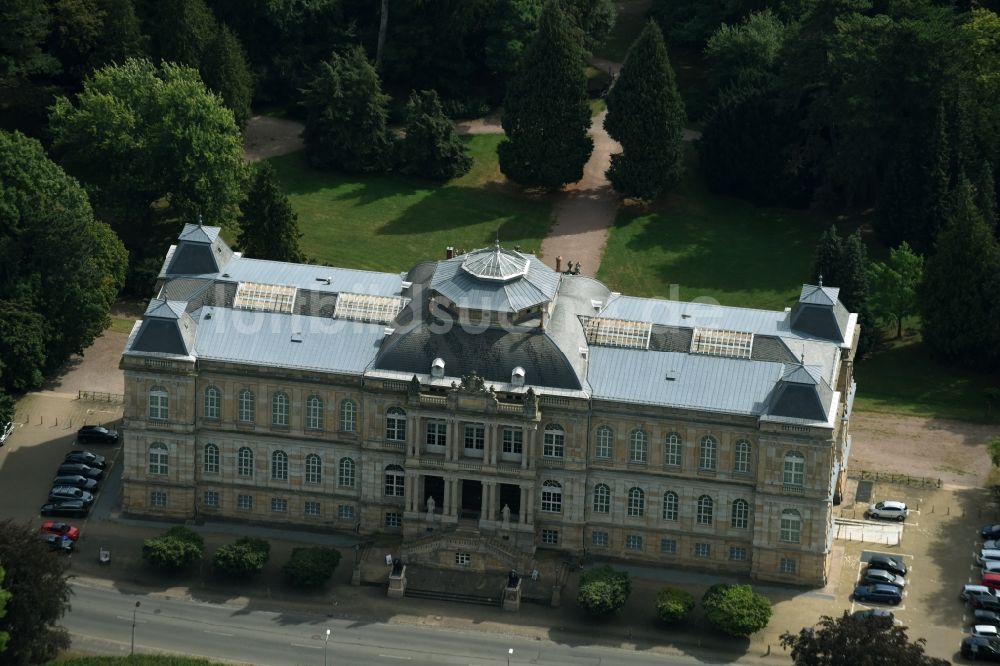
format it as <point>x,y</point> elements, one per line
<point>889,510</point>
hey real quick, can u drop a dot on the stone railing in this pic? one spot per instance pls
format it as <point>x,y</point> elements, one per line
<point>509,408</point>
<point>434,400</point>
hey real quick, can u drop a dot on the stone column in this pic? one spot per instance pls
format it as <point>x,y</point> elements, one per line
<point>456,506</point>
<point>492,443</point>
<point>525,447</point>
<point>530,515</point>
<point>484,507</point>
<point>522,514</point>
<point>416,439</point>
<point>451,452</point>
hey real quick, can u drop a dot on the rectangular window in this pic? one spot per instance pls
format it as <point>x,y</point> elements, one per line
<point>244,502</point>
<point>703,550</point>
<point>158,499</point>
<point>211,459</point>
<point>599,539</point>
<point>741,462</point>
<point>158,402</point>
<point>279,505</point>
<point>737,554</point>
<point>437,433</point>
<point>463,559</point>
<point>672,451</point>
<point>158,459</point>
<point>787,566</point>
<point>247,408</point>
<point>212,403</point>
<point>312,508</point>
<point>633,542</point>
<point>475,439</point>
<point>393,519</point>
<point>513,441</point>
<point>550,537</point>
<point>605,439</point>
<point>314,413</point>
<point>668,546</point>
<point>345,512</point>
<point>211,499</point>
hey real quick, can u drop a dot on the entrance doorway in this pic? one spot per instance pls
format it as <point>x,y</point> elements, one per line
<point>472,498</point>
<point>510,495</point>
<point>433,487</point>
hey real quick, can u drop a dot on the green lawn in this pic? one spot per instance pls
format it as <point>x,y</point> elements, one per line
<point>389,223</point>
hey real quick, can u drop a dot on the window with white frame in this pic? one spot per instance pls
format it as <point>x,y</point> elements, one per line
<point>345,473</point>
<point>605,442</point>
<point>279,466</point>
<point>475,439</point>
<point>672,450</point>
<point>552,497</point>
<point>741,457</point>
<point>213,401</point>
<point>314,468</point>
<point>668,546</point>
<point>247,406</point>
<point>737,553</point>
<point>554,441</point>
<point>395,424</point>
<point>437,433</point>
<point>708,453</point>
<point>345,512</point>
<point>158,403</point>
<point>791,526</point>
<point>703,550</point>
<point>158,499</point>
<point>602,498</point>
<point>158,455</point>
<point>671,503</point>
<point>244,461</point>
<point>210,500</point>
<point>638,447</point>
<point>394,480</point>
<point>463,559</point>
<point>244,502</point>
<point>279,505</point>
<point>279,409</point>
<point>513,441</point>
<point>633,542</point>
<point>706,508</point>
<point>311,508</point>
<point>740,518</point>
<point>550,537</point>
<point>636,502</point>
<point>794,469</point>
<point>787,566</point>
<point>599,539</point>
<point>393,519</point>
<point>314,412</point>
<point>348,415</point>
<point>210,462</point>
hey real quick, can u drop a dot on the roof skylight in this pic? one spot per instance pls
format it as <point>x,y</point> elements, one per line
<point>718,342</point>
<point>264,297</point>
<point>617,332</point>
<point>368,308</point>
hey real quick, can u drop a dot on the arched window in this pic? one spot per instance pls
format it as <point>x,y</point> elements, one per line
<point>605,442</point>
<point>244,461</point>
<point>314,469</point>
<point>795,469</point>
<point>707,457</point>
<point>706,507</point>
<point>247,406</point>
<point>348,415</point>
<point>279,466</point>
<point>394,479</point>
<point>636,502</point>
<point>670,504</point>
<point>213,400</point>
<point>314,412</point>
<point>791,526</point>
<point>279,409</point>
<point>602,498</point>
<point>158,458</point>
<point>740,518</point>
<point>345,473</point>
<point>551,497</point>
<point>741,459</point>
<point>554,441</point>
<point>638,447</point>
<point>210,464</point>
<point>395,425</point>
<point>672,450</point>
<point>158,403</point>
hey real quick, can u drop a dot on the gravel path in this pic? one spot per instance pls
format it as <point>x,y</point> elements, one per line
<point>267,137</point>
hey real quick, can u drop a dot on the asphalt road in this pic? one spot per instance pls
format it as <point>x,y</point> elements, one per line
<point>101,622</point>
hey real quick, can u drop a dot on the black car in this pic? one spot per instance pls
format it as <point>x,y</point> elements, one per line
<point>887,563</point>
<point>985,602</point>
<point>57,493</point>
<point>73,469</point>
<point>87,458</point>
<point>985,617</point>
<point>980,647</point>
<point>71,508</point>
<point>96,434</point>
<point>57,542</point>
<point>883,577</point>
<point>990,531</point>
<point>876,615</point>
<point>77,481</point>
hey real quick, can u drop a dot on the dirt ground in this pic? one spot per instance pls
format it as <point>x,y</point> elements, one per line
<point>267,137</point>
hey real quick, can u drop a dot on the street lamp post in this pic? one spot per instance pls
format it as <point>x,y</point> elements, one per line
<point>510,653</point>
<point>134,610</point>
<point>326,644</point>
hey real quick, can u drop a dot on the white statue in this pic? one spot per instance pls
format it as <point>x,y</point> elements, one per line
<point>505,517</point>
<point>430,508</point>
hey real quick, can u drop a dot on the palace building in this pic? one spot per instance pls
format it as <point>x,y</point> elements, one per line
<point>484,406</point>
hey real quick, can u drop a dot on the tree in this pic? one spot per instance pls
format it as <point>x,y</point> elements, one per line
<point>546,113</point>
<point>895,284</point>
<point>311,567</point>
<point>243,558</point>
<point>826,264</point>
<point>854,277</point>
<point>749,49</point>
<point>673,604</point>
<point>39,595</point>
<point>269,228</point>
<point>594,18</point>
<point>959,295</point>
<point>181,30</point>
<point>993,448</point>
<point>24,65</point>
<point>346,113</point>
<point>646,116</point>
<point>986,195</point>
<point>121,36</point>
<point>225,70</point>
<point>175,550</point>
<point>431,148</point>
<point>6,408</point>
<point>22,354</point>
<point>603,591</point>
<point>872,641</point>
<point>4,598</point>
<point>736,609</point>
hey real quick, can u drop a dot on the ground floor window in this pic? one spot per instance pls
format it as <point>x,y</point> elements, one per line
<point>279,505</point>
<point>158,499</point>
<point>737,554</point>
<point>244,502</point>
<point>211,499</point>
<point>788,566</point>
<point>463,559</point>
<point>550,537</point>
<point>633,542</point>
<point>668,546</point>
<point>312,508</point>
<point>393,519</point>
<point>599,539</point>
<point>345,512</point>
<point>703,550</point>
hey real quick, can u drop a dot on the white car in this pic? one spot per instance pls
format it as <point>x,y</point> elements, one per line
<point>986,631</point>
<point>991,566</point>
<point>889,509</point>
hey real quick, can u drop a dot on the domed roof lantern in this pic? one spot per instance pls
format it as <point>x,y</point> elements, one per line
<point>495,264</point>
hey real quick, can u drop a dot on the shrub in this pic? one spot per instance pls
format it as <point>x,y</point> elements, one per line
<point>736,609</point>
<point>243,558</point>
<point>431,148</point>
<point>603,591</point>
<point>673,605</point>
<point>311,567</point>
<point>176,549</point>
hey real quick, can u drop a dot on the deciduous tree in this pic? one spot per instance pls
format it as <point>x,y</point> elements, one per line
<point>673,604</point>
<point>431,148</point>
<point>269,228</point>
<point>243,558</point>
<point>603,591</point>
<point>175,550</point>
<point>736,609</point>
<point>895,284</point>
<point>872,641</point>
<point>311,567</point>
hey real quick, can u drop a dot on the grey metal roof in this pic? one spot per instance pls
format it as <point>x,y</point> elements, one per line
<point>801,393</point>
<point>818,294</point>
<point>538,285</point>
<point>495,263</point>
<point>266,338</point>
<point>166,328</point>
<point>199,251</point>
<point>197,233</point>
<point>821,321</point>
<point>307,276</point>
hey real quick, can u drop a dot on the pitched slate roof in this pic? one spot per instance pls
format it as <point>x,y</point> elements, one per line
<point>801,393</point>
<point>166,328</point>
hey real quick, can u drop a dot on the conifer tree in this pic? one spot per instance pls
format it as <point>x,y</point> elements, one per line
<point>646,116</point>
<point>121,36</point>
<point>986,195</point>
<point>855,274</point>
<point>226,71</point>
<point>826,264</point>
<point>269,228</point>
<point>431,148</point>
<point>546,113</point>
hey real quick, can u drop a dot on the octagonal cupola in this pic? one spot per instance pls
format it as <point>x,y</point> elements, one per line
<point>495,264</point>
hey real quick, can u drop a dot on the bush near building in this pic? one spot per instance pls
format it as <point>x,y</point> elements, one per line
<point>243,558</point>
<point>673,605</point>
<point>176,549</point>
<point>603,591</point>
<point>736,609</point>
<point>311,567</point>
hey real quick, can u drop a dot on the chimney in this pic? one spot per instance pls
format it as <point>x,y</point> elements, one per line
<point>517,376</point>
<point>559,264</point>
<point>449,252</point>
<point>437,367</point>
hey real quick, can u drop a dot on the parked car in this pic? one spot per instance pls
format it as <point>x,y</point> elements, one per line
<point>980,647</point>
<point>5,431</point>
<point>990,531</point>
<point>96,434</point>
<point>991,566</point>
<point>884,577</point>
<point>62,529</point>
<point>58,493</point>
<point>76,481</point>
<point>57,542</point>
<point>985,617</point>
<point>70,469</point>
<point>78,509</point>
<point>984,602</point>
<point>879,594</point>
<point>973,590</point>
<point>992,581</point>
<point>987,555</point>
<point>889,509</point>
<point>895,565</point>
<point>87,458</point>
<point>875,614</point>
<point>991,543</point>
<point>985,630</point>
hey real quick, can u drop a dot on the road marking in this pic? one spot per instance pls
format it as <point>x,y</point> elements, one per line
<point>128,619</point>
<point>393,656</point>
<point>303,645</point>
<point>217,633</point>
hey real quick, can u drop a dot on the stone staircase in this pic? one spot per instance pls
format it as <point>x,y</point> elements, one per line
<point>456,597</point>
<point>468,539</point>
